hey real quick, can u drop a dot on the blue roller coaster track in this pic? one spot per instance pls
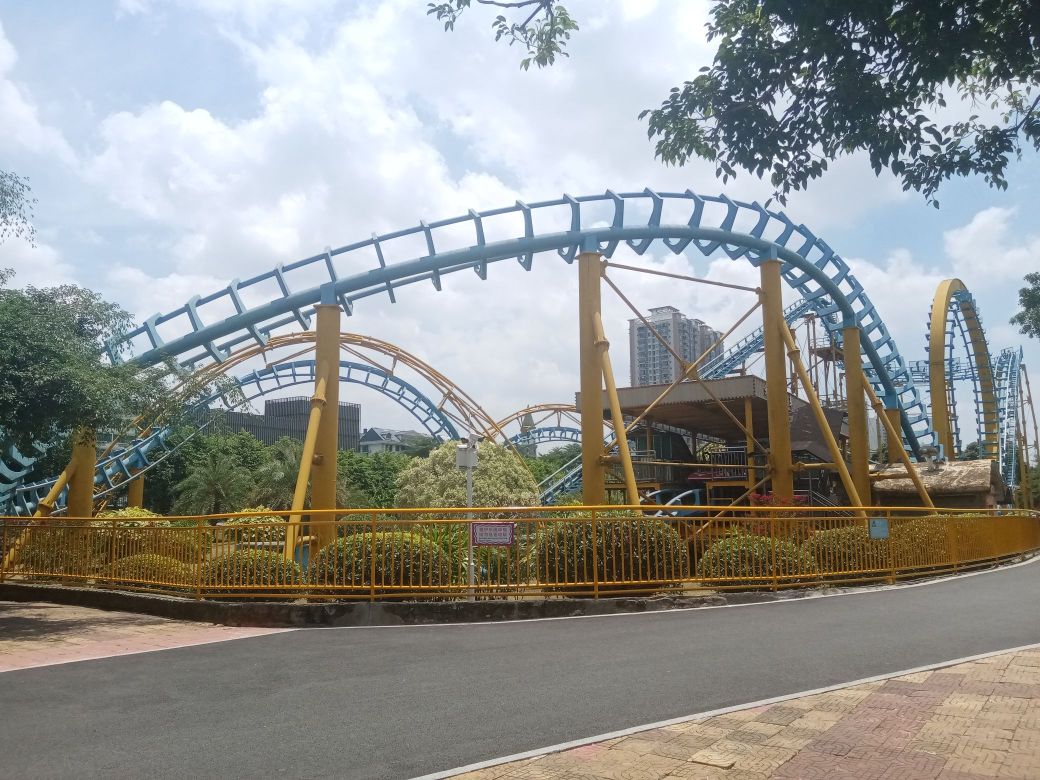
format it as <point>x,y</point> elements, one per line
<point>198,333</point>
<point>142,454</point>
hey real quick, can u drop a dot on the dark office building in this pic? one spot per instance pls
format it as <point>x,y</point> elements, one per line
<point>287,417</point>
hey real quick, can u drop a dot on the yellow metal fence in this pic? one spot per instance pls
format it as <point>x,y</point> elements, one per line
<point>517,553</point>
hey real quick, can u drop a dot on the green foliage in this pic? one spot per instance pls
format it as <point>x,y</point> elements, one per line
<point>924,541</point>
<point>371,479</point>
<point>847,549</point>
<point>543,32</point>
<point>545,465</point>
<point>120,533</point>
<point>971,452</point>
<point>736,558</point>
<point>215,484</point>
<point>16,210</point>
<point>401,558</point>
<point>500,479</point>
<point>52,549</point>
<point>627,550</point>
<point>1028,320</point>
<point>249,568</point>
<point>149,569</point>
<point>275,476</point>
<point>258,528</point>
<point>56,377</point>
<point>794,86</point>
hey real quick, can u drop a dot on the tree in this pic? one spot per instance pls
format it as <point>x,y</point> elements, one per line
<point>500,479</point>
<point>16,210</point>
<point>372,479</point>
<point>1028,320</point>
<point>215,484</point>
<point>275,478</point>
<point>56,377</point>
<point>971,452</point>
<point>794,86</point>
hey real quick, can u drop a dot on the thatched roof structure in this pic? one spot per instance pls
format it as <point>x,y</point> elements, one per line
<point>955,477</point>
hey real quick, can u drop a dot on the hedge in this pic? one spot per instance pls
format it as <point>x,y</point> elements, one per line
<point>152,569</point>
<point>271,528</point>
<point>849,548</point>
<point>631,553</point>
<point>251,569</point>
<point>739,557</point>
<point>402,558</point>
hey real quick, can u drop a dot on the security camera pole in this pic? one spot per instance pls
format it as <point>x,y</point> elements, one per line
<point>466,458</point>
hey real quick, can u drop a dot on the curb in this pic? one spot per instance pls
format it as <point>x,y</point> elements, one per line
<point>345,614</point>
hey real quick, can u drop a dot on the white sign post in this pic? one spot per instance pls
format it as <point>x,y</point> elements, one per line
<point>466,459</point>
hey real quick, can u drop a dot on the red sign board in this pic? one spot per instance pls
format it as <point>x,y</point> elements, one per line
<point>492,534</point>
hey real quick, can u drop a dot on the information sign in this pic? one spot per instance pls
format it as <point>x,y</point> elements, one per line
<point>492,534</point>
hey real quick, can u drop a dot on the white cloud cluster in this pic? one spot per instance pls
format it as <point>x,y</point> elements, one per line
<point>369,118</point>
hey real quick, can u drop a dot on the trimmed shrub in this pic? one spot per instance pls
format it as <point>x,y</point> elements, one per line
<point>631,553</point>
<point>243,570</point>
<point>922,541</point>
<point>152,569</point>
<point>54,548</point>
<point>133,536</point>
<point>847,549</point>
<point>269,528</point>
<point>402,558</point>
<point>739,557</point>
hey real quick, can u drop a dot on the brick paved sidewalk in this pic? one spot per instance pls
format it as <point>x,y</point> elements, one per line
<point>39,634</point>
<point>975,720</point>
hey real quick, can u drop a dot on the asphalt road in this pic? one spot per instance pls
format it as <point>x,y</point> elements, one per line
<point>401,702</point>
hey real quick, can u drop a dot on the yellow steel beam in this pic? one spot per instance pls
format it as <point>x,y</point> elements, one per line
<point>135,491</point>
<point>324,471</point>
<point>856,405</point>
<point>590,270</point>
<point>80,499</point>
<point>303,476</point>
<point>821,419</point>
<point>894,438</point>
<point>774,326</point>
<point>615,410</point>
<point>937,384</point>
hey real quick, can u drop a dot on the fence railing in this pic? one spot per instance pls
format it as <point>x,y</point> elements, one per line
<point>513,553</point>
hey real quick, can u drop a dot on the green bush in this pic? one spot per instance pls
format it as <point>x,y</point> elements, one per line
<point>151,569</point>
<point>402,558</point>
<point>922,541</point>
<point>739,557</point>
<point>631,553</point>
<point>54,547</point>
<point>269,528</point>
<point>121,533</point>
<point>249,569</point>
<point>847,549</point>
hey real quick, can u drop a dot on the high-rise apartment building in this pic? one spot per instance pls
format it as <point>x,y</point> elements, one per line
<point>650,361</point>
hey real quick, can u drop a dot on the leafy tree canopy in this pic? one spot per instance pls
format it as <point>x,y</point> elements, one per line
<point>56,377</point>
<point>500,479</point>
<point>795,85</point>
<point>1028,320</point>
<point>16,210</point>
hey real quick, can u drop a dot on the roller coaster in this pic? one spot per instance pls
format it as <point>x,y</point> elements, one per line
<point>259,319</point>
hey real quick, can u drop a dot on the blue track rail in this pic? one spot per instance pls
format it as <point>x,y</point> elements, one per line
<point>142,454</point>
<point>199,332</point>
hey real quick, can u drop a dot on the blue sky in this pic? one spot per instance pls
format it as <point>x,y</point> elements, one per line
<point>175,145</point>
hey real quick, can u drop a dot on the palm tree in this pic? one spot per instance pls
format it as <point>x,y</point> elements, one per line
<point>216,484</point>
<point>276,477</point>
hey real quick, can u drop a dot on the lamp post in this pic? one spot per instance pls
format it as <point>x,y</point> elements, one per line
<point>466,459</point>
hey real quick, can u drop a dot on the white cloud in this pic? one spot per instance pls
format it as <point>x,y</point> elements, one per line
<point>986,249</point>
<point>39,266</point>
<point>19,115</point>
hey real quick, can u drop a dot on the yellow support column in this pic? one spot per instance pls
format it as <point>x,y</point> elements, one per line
<point>323,472</point>
<point>590,270</point>
<point>135,492</point>
<point>894,437</point>
<point>81,484</point>
<point>749,444</point>
<point>773,327</point>
<point>895,423</point>
<point>615,413</point>
<point>856,402</point>
<point>303,477</point>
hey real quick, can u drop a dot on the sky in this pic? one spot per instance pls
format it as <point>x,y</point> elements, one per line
<point>174,145</point>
